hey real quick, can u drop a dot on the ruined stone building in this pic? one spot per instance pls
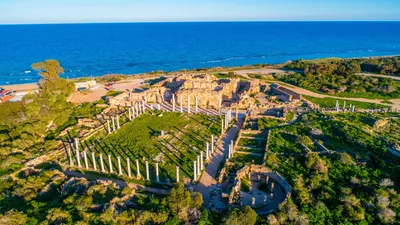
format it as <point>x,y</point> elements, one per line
<point>284,94</point>
<point>208,89</point>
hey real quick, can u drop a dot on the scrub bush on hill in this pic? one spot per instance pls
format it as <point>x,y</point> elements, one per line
<point>338,77</point>
<point>356,184</point>
<point>347,85</point>
<point>47,196</point>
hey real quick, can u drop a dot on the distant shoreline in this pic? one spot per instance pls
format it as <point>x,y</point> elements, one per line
<point>34,85</point>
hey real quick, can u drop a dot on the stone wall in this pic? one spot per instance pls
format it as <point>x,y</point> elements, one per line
<point>266,146</point>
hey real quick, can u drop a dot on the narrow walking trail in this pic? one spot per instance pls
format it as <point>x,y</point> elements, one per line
<point>208,183</point>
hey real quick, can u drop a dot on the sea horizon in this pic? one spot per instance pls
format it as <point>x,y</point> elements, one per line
<point>97,49</point>
<point>204,21</point>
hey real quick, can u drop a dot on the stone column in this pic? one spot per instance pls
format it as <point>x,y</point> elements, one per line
<point>188,104</point>
<point>137,110</point>
<point>78,155</point>
<point>113,123</point>
<point>119,165</point>
<point>222,126</point>
<point>353,110</point>
<point>102,163</point>
<point>138,169</point>
<point>71,161</point>
<point>147,171</point>
<point>118,126</point>
<point>201,160</point>
<point>220,106</point>
<point>272,186</point>
<point>253,201</point>
<point>197,105</point>
<point>144,107</point>
<point>86,160</point>
<point>337,106</point>
<point>229,151</point>
<point>227,120</point>
<point>173,103</point>
<point>237,112</point>
<point>128,163</point>
<point>181,104</point>
<point>157,174</point>
<point>158,107</point>
<point>110,163</point>
<point>212,144</point>
<point>130,113</point>
<point>198,166</point>
<point>207,151</point>
<point>108,126</point>
<point>133,112</point>
<point>344,106</point>
<point>177,174</point>
<point>194,171</point>
<point>94,161</point>
<point>232,145</point>
<point>266,179</point>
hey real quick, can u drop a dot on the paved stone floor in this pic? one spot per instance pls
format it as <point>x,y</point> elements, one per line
<point>207,183</point>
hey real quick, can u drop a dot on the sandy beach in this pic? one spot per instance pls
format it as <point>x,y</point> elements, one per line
<point>21,87</point>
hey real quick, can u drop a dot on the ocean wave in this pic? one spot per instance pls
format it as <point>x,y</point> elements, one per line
<point>27,71</point>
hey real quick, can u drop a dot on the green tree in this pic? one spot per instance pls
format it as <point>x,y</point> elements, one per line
<point>244,216</point>
<point>13,218</point>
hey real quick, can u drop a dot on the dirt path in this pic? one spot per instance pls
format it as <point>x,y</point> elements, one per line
<point>378,75</point>
<point>208,183</point>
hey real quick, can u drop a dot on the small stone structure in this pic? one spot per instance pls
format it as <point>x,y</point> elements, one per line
<point>262,173</point>
<point>284,93</point>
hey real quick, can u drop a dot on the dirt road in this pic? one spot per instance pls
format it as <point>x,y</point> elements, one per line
<point>379,75</point>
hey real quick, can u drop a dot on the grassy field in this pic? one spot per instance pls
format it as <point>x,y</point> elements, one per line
<point>331,103</point>
<point>184,137</point>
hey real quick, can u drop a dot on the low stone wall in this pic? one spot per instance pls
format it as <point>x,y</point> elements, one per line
<point>322,147</point>
<point>266,146</point>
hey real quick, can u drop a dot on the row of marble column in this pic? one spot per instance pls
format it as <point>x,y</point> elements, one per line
<point>199,165</point>
<point>351,107</point>
<point>110,164</point>
<point>134,111</point>
<point>139,108</point>
<point>188,104</point>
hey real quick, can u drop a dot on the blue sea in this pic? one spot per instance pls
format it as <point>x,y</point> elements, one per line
<point>128,48</point>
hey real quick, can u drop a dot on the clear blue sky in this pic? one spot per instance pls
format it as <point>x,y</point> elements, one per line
<point>77,11</point>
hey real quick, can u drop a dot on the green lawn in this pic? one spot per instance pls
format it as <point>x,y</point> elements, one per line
<point>244,159</point>
<point>331,103</point>
<point>185,136</point>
